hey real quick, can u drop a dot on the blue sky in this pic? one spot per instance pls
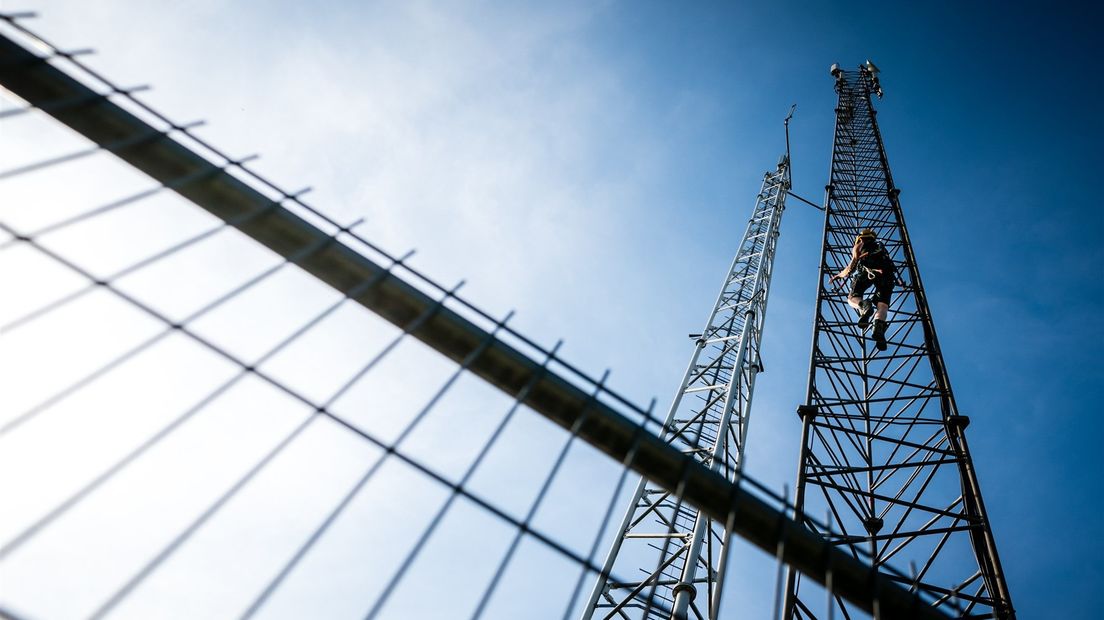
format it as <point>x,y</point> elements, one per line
<point>593,165</point>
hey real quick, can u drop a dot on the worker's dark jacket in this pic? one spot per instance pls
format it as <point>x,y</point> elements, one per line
<point>875,269</point>
<point>877,260</point>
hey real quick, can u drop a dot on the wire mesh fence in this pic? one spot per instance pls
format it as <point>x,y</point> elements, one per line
<point>250,410</point>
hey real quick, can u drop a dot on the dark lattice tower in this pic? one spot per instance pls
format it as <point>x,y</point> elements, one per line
<point>883,448</point>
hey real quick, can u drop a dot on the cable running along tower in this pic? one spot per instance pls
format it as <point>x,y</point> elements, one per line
<point>678,552</point>
<point>883,447</point>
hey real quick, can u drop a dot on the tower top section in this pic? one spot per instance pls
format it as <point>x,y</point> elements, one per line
<point>866,69</point>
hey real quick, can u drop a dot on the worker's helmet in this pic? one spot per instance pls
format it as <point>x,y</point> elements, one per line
<point>866,234</point>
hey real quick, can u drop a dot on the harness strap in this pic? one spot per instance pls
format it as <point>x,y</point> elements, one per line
<point>870,272</point>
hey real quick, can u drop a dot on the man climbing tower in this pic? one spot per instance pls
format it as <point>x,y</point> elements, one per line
<point>872,266</point>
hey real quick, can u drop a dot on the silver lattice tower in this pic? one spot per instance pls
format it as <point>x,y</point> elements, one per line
<point>883,449</point>
<point>678,552</point>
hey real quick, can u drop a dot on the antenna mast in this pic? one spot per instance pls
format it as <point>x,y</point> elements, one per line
<point>883,448</point>
<point>681,551</point>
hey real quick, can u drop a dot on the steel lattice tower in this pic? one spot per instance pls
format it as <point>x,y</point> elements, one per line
<point>883,448</point>
<point>679,551</point>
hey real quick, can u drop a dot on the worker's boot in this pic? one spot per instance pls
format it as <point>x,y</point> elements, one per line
<point>879,334</point>
<point>866,310</point>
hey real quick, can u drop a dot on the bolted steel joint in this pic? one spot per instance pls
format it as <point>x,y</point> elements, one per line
<point>873,525</point>
<point>958,422</point>
<point>689,588</point>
